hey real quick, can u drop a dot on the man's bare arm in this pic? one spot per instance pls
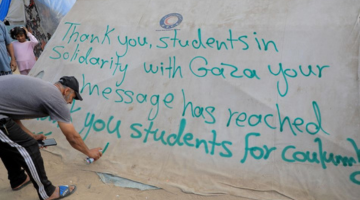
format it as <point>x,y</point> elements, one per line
<point>36,137</point>
<point>73,137</point>
<point>10,50</point>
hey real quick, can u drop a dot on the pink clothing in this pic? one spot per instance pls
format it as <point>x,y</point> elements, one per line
<point>24,52</point>
<point>25,72</point>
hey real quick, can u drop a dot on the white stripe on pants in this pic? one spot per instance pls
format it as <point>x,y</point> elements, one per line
<point>29,162</point>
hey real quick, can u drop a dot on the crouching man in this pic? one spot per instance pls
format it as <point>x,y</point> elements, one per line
<point>25,97</point>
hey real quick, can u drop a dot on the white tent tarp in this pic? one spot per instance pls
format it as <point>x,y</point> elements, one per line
<point>16,13</point>
<point>258,99</point>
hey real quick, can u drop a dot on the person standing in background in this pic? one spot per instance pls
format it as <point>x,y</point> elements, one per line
<point>7,66</point>
<point>24,49</point>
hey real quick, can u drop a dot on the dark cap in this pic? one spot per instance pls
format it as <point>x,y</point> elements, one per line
<point>71,82</point>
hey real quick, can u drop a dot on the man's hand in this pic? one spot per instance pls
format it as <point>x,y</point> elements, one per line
<point>95,153</point>
<point>40,137</point>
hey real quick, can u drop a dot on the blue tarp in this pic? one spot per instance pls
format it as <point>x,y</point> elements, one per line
<point>4,8</point>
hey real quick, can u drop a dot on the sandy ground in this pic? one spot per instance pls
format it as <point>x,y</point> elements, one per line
<point>16,72</point>
<point>89,186</point>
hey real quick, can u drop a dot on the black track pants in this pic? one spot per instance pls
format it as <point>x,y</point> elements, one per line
<point>19,150</point>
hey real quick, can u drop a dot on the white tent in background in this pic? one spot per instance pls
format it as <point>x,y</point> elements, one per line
<point>50,12</point>
<point>16,13</point>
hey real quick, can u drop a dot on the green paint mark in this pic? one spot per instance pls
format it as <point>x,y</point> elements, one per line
<point>106,146</point>
<point>353,177</point>
<point>49,133</point>
<point>42,133</point>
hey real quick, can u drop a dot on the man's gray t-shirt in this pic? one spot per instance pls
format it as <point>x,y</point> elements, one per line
<point>4,56</point>
<point>26,97</point>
